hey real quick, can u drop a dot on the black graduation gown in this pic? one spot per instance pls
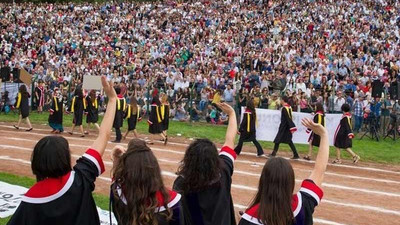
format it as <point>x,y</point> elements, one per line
<point>174,205</point>
<point>132,117</point>
<point>155,120</point>
<point>164,110</point>
<point>92,110</point>
<point>22,103</point>
<point>315,138</point>
<point>78,106</point>
<point>56,110</point>
<point>303,205</point>
<point>66,200</point>
<point>119,113</point>
<point>287,125</point>
<point>344,133</point>
<point>213,206</point>
<point>247,128</point>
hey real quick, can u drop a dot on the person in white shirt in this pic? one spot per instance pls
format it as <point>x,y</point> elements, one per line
<point>339,100</point>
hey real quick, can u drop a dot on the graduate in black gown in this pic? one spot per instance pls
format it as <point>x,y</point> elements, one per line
<point>138,194</point>
<point>164,109</point>
<point>315,139</point>
<point>22,103</point>
<point>132,114</point>
<point>119,115</point>
<point>344,135</point>
<point>286,129</point>
<point>78,108</point>
<point>56,113</point>
<point>247,129</point>
<point>275,202</point>
<point>205,178</point>
<point>155,121</point>
<point>92,110</point>
<point>62,194</point>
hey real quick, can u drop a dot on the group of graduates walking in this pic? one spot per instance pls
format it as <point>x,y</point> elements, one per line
<point>342,139</point>
<point>201,192</point>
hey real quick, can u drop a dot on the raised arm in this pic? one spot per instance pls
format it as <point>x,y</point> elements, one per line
<point>232,125</point>
<point>317,175</point>
<point>105,129</point>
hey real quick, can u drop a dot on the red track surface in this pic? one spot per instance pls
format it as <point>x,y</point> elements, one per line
<point>356,195</point>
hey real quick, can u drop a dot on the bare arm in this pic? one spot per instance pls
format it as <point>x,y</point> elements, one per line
<point>105,129</point>
<point>232,125</point>
<point>317,175</point>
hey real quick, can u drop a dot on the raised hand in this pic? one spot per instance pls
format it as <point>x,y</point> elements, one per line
<point>117,152</point>
<point>315,127</point>
<point>108,88</point>
<point>226,108</point>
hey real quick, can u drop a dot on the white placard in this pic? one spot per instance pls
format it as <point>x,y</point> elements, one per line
<point>92,83</point>
<point>11,195</point>
<point>268,125</point>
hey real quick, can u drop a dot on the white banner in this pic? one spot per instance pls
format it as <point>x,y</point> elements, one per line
<point>11,195</point>
<point>268,125</point>
<point>12,89</point>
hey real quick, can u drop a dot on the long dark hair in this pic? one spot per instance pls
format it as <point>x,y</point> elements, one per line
<point>250,106</point>
<point>275,191</point>
<point>24,92</point>
<point>134,105</point>
<point>138,177</point>
<point>200,166</point>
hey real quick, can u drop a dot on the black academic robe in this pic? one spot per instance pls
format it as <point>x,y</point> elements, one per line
<point>56,111</point>
<point>315,138</point>
<point>286,127</point>
<point>119,113</point>
<point>164,110</point>
<point>132,117</point>
<point>92,110</point>
<point>22,103</point>
<point>247,127</point>
<point>303,205</point>
<point>66,200</point>
<point>174,205</point>
<point>344,133</point>
<point>214,205</point>
<point>78,107</point>
<point>155,120</point>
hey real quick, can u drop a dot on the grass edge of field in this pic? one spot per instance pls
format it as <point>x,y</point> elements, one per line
<point>27,182</point>
<point>369,150</point>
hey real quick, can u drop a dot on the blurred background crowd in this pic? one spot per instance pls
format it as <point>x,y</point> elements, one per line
<point>204,52</point>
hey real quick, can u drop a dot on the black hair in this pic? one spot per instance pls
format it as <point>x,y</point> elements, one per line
<point>346,108</point>
<point>285,98</point>
<point>200,166</point>
<point>117,90</point>
<point>51,158</point>
<point>319,107</point>
<point>79,92</point>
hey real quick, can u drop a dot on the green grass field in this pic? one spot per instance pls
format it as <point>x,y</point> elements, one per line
<point>101,200</point>
<point>385,151</point>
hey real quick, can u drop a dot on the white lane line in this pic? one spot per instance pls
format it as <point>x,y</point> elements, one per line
<point>247,188</point>
<point>366,207</point>
<point>245,153</point>
<point>238,161</point>
<point>238,206</point>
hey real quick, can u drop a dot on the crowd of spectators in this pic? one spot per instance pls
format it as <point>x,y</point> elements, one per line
<point>204,52</point>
